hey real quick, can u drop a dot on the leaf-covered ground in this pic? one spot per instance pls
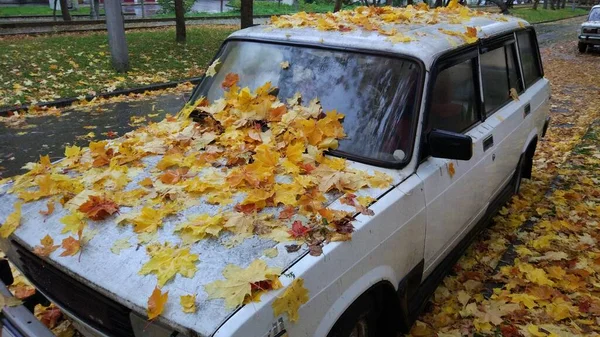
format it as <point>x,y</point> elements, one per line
<point>534,272</point>
<point>45,68</point>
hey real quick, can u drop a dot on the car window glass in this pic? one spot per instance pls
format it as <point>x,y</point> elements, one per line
<point>594,15</point>
<point>529,57</point>
<point>454,100</point>
<point>377,95</point>
<point>499,74</point>
<point>494,78</point>
<point>514,75</point>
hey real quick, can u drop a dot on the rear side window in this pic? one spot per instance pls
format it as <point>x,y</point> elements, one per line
<point>529,57</point>
<point>454,100</point>
<point>499,74</point>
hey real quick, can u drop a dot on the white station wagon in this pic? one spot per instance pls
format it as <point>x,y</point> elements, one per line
<point>449,104</point>
<point>589,35</point>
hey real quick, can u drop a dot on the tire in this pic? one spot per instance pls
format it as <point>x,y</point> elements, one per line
<point>518,176</point>
<point>582,47</point>
<point>364,318</point>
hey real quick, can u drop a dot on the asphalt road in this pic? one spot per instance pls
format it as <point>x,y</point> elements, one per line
<point>49,134</point>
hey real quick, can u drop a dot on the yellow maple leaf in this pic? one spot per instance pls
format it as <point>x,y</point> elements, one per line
<point>294,152</point>
<point>238,282</point>
<point>287,194</point>
<point>379,180</point>
<point>147,219</point>
<point>525,299</point>
<point>199,227</point>
<point>74,223</point>
<point>156,303</point>
<point>291,300</point>
<point>13,220</point>
<point>72,151</point>
<point>211,71</point>
<point>166,261</point>
<point>188,303</point>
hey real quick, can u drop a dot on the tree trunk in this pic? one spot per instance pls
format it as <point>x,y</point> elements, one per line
<point>546,4</point>
<point>54,10</point>
<point>246,14</point>
<point>337,5</point>
<point>179,21</point>
<point>95,9</point>
<point>388,2</point>
<point>535,4</point>
<point>64,9</point>
<point>116,35</point>
<point>409,2</point>
<point>501,5</point>
<point>438,3</point>
<point>564,3</point>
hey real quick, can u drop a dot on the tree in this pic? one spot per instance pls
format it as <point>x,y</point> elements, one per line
<point>246,13</point>
<point>535,4</point>
<point>116,35</point>
<point>179,21</point>
<point>95,9</point>
<point>337,6</point>
<point>388,2</point>
<point>64,10</point>
<point>502,5</point>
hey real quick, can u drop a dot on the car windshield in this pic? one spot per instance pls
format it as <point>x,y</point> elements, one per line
<point>595,15</point>
<point>376,94</point>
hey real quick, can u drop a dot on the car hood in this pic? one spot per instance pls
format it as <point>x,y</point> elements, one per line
<point>117,276</point>
<point>595,24</point>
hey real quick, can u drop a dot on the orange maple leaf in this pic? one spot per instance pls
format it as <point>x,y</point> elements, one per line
<point>98,208</point>
<point>230,80</point>
<point>71,246</point>
<point>46,248</point>
<point>173,176</point>
<point>156,303</point>
<point>50,210</point>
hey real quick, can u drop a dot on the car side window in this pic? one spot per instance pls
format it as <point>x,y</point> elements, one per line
<point>499,74</point>
<point>529,57</point>
<point>454,102</point>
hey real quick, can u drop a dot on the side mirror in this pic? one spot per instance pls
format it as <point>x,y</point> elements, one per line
<point>450,145</point>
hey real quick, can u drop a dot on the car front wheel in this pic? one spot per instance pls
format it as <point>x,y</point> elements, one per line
<point>582,47</point>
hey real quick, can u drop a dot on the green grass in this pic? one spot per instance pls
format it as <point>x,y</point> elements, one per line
<point>38,10</point>
<point>540,15</point>
<point>69,65</point>
<point>265,8</point>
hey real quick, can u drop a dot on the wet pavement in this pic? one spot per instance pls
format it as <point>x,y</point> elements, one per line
<point>50,134</point>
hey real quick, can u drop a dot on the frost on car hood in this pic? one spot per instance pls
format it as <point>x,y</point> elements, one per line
<point>174,203</point>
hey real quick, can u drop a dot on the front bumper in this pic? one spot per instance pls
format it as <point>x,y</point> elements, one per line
<point>589,39</point>
<point>18,321</point>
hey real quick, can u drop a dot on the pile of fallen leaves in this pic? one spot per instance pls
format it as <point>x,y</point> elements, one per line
<point>393,22</point>
<point>535,272</point>
<point>259,159</point>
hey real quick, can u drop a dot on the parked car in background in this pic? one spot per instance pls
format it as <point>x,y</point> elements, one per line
<point>449,105</point>
<point>589,34</point>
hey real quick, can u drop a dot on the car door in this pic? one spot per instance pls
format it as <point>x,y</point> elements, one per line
<point>512,119</point>
<point>453,193</point>
<point>503,114</point>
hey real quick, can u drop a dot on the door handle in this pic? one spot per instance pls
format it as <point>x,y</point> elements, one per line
<point>527,110</point>
<point>488,142</point>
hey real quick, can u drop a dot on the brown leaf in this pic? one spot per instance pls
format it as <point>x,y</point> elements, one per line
<point>50,206</point>
<point>230,80</point>
<point>156,303</point>
<point>71,246</point>
<point>46,248</point>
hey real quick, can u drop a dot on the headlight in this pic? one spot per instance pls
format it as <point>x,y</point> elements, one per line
<point>587,30</point>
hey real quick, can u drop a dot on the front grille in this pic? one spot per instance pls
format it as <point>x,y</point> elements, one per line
<point>100,312</point>
<point>590,30</point>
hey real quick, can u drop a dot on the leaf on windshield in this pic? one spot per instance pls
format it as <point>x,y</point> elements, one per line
<point>230,80</point>
<point>211,71</point>
<point>284,65</point>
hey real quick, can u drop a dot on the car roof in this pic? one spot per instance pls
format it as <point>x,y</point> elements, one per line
<point>427,32</point>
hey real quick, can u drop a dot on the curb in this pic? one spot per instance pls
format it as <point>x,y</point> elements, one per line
<point>555,20</point>
<point>63,102</point>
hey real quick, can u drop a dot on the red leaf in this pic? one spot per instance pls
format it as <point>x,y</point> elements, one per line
<point>98,208</point>
<point>298,229</point>
<point>246,209</point>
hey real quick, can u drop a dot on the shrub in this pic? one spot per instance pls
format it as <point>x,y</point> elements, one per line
<point>168,6</point>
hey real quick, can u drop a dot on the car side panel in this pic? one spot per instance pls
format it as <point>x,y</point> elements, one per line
<point>513,130</point>
<point>385,247</point>
<point>455,201</point>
